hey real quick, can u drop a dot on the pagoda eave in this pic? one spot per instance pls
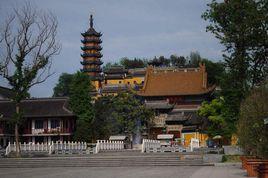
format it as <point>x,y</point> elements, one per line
<point>91,70</point>
<point>97,55</point>
<point>97,62</point>
<point>98,41</point>
<point>98,48</point>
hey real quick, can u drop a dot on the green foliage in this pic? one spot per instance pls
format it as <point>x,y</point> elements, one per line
<point>252,132</point>
<point>63,86</point>
<point>179,61</point>
<point>105,124</point>
<point>109,65</point>
<point>81,105</point>
<point>195,59</point>
<point>215,112</point>
<point>215,71</point>
<point>241,26</point>
<point>128,110</point>
<point>133,63</point>
<point>120,114</point>
<point>231,158</point>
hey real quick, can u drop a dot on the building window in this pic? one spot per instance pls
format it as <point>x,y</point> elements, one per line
<point>55,123</point>
<point>120,81</point>
<point>39,124</point>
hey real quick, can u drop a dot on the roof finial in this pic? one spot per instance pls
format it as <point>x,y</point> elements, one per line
<point>91,21</point>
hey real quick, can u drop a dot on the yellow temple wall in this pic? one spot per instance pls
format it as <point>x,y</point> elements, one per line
<point>131,81</point>
<point>200,136</point>
<point>115,81</point>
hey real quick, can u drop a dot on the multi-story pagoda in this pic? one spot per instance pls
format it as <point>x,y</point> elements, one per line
<point>92,54</point>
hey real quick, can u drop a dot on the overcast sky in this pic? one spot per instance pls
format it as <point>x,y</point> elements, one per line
<point>131,28</point>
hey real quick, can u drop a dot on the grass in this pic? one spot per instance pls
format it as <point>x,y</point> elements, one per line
<point>231,158</point>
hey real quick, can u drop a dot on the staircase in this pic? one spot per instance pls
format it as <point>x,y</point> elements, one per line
<point>126,158</point>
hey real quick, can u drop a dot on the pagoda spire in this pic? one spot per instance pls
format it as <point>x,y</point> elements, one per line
<point>91,21</point>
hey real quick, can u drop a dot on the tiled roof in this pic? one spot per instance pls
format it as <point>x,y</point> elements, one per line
<point>175,82</point>
<point>6,92</point>
<point>39,107</point>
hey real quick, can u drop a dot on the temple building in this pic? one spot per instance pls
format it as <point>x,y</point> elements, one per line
<point>44,120</point>
<point>118,79</point>
<point>92,55</point>
<point>176,94</point>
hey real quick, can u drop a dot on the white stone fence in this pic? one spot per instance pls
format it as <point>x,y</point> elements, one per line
<point>52,148</point>
<point>70,148</point>
<point>29,147</point>
<point>109,145</point>
<point>150,145</point>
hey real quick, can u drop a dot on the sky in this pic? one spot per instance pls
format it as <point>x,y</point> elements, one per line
<point>131,28</point>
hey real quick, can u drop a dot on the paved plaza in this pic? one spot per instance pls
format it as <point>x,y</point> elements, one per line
<point>127,172</point>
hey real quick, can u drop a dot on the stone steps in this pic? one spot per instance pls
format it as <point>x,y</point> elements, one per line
<point>107,159</point>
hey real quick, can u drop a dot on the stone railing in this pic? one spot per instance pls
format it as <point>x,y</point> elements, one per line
<point>150,145</point>
<point>29,147</point>
<point>71,148</point>
<point>53,148</point>
<point>154,146</point>
<point>109,145</point>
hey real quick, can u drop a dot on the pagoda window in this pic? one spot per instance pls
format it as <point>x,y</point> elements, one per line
<point>120,81</point>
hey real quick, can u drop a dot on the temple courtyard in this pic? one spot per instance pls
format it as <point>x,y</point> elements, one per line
<point>218,171</point>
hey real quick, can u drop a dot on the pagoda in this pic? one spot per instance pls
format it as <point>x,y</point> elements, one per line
<point>92,54</point>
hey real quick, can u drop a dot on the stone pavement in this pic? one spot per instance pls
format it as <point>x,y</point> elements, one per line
<point>220,170</point>
<point>127,172</point>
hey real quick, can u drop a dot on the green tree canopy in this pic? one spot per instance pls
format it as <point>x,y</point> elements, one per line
<point>252,132</point>
<point>62,88</point>
<point>133,63</point>
<point>81,105</point>
<point>214,111</point>
<point>241,26</point>
<point>119,114</point>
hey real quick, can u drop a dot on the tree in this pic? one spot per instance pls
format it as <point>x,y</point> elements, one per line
<point>160,62</point>
<point>195,59</point>
<point>215,71</point>
<point>128,110</point>
<point>105,124</point>
<point>241,26</point>
<point>120,114</point>
<point>214,111</point>
<point>63,86</point>
<point>252,132</point>
<point>28,43</point>
<point>81,105</point>
<point>177,61</point>
<point>109,65</point>
<point>132,63</point>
